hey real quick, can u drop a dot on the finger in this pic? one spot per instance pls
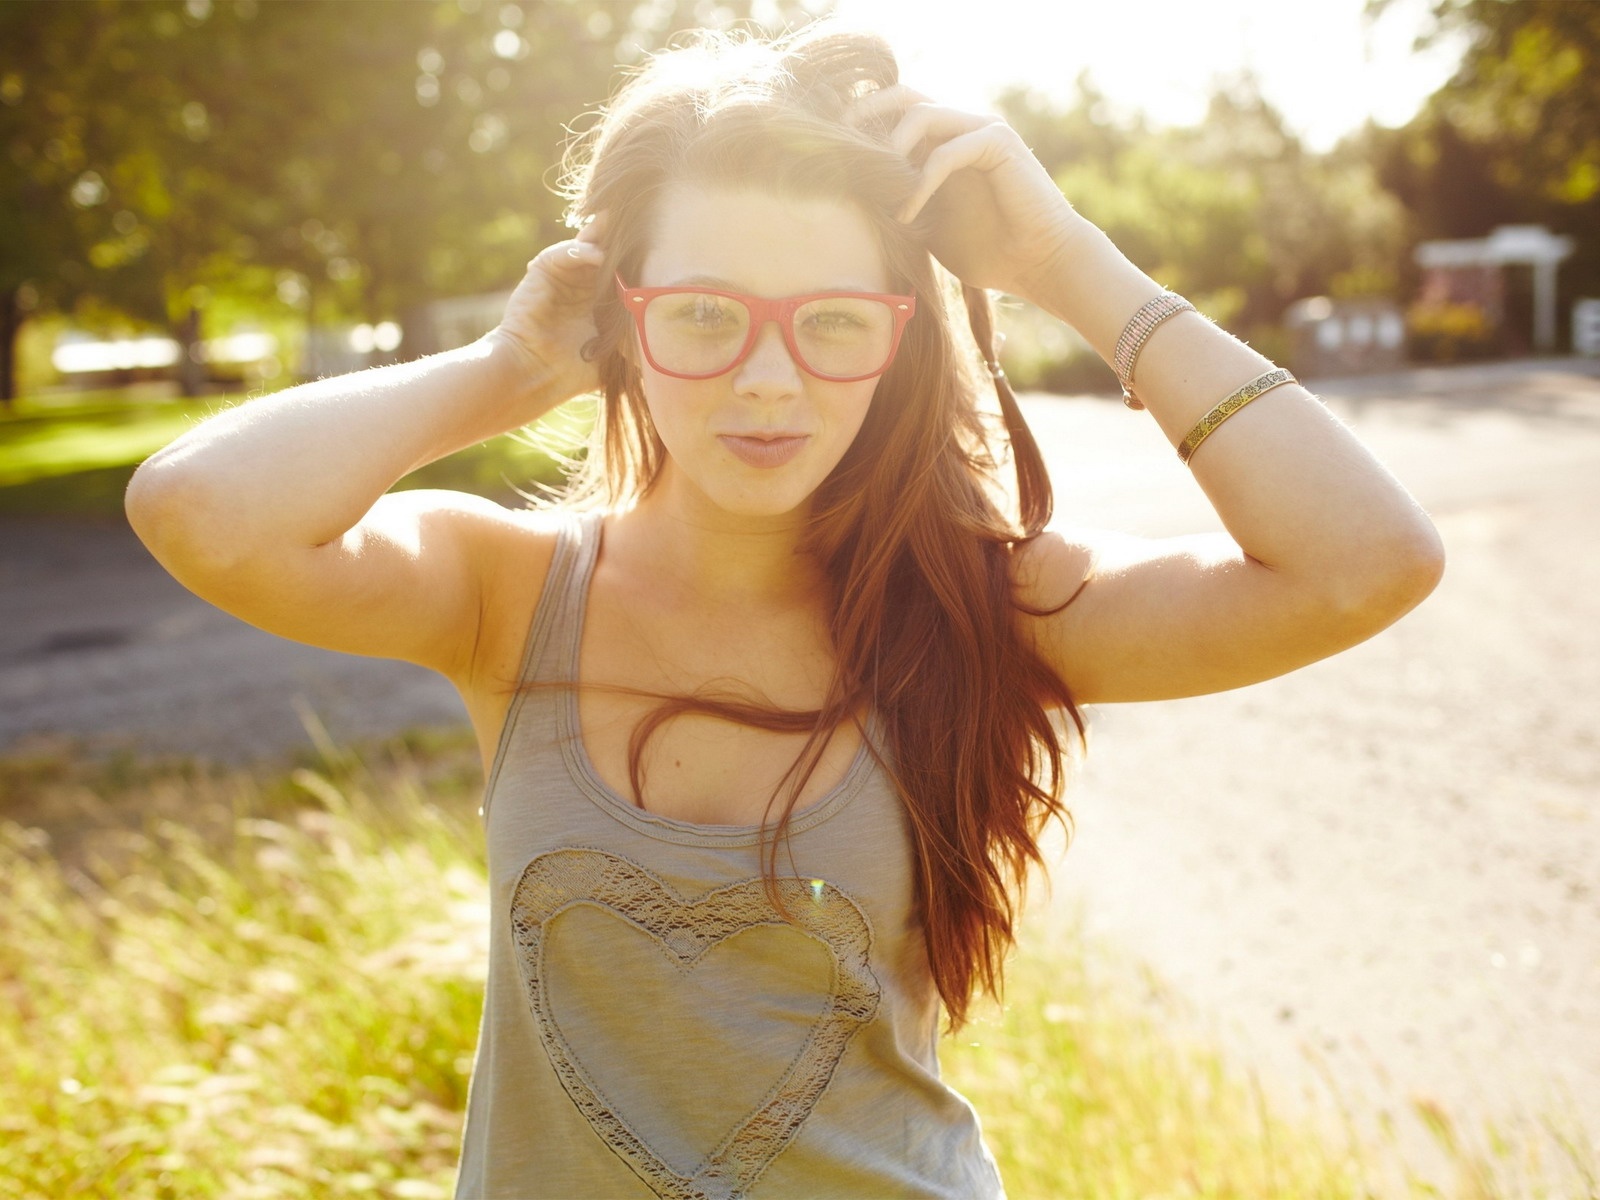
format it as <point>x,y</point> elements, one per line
<point>983,149</point>
<point>565,258</point>
<point>924,121</point>
<point>883,102</point>
<point>594,230</point>
<point>566,273</point>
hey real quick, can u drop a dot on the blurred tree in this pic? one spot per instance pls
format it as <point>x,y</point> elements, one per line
<point>43,192</point>
<point>1529,89</point>
<point>1514,136</point>
<point>107,136</point>
<point>337,159</point>
<point>1232,212</point>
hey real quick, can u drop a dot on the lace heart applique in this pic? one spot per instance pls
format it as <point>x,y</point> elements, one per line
<point>683,932</point>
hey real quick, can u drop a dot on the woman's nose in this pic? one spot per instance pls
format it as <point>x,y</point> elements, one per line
<point>769,365</point>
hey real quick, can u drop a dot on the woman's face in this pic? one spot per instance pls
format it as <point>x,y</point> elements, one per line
<point>727,436</point>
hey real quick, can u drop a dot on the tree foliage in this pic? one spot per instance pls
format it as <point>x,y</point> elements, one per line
<point>1513,137</point>
<point>359,160</point>
<point>348,159</point>
<point>1232,212</point>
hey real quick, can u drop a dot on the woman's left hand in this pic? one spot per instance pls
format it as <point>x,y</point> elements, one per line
<point>999,221</point>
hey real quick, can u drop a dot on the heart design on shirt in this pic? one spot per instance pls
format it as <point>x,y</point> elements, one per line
<point>602,887</point>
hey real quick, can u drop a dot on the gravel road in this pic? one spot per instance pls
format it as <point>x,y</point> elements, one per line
<point>1385,863</point>
<point>1388,862</point>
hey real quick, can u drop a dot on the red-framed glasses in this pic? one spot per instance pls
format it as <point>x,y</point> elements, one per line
<point>698,333</point>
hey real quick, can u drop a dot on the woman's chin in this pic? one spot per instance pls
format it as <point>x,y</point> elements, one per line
<point>741,491</point>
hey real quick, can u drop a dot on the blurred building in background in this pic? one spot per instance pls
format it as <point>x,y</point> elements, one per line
<point>1345,337</point>
<point>427,329</point>
<point>339,349</point>
<point>458,321</point>
<point>1586,328</point>
<point>1480,273</point>
<point>244,357</point>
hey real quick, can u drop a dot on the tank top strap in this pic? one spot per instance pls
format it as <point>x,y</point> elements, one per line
<point>558,618</point>
<point>548,651</point>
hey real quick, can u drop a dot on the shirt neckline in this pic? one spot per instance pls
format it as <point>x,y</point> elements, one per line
<point>671,829</point>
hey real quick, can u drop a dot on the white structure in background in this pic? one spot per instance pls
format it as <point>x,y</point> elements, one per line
<point>245,352</point>
<point>1520,245</point>
<point>462,320</point>
<point>82,354</point>
<point>1345,337</point>
<point>340,349</point>
<point>1586,328</point>
<point>430,328</point>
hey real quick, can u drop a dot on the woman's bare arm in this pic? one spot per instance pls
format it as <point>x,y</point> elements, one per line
<point>276,510</point>
<point>1323,548</point>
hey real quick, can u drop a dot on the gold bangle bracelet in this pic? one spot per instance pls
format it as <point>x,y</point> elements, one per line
<point>1258,386</point>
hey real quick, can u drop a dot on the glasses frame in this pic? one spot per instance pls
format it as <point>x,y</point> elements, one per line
<point>763,310</point>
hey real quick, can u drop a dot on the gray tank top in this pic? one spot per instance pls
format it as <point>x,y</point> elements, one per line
<point>652,1026</point>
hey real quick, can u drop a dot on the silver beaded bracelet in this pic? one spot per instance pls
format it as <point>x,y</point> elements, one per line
<point>1137,332</point>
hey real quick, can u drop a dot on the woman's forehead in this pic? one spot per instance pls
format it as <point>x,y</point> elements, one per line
<point>762,242</point>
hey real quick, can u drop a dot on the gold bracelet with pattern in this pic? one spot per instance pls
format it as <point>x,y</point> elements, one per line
<point>1258,386</point>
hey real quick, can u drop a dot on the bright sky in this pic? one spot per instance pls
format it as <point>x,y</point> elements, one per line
<point>1320,63</point>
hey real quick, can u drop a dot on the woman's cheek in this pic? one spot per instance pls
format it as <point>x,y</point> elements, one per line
<point>855,409</point>
<point>672,411</point>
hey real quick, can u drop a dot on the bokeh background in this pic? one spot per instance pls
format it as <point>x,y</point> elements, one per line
<point>284,189</point>
<point>1333,935</point>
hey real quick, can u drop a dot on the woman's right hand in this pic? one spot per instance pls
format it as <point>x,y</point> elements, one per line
<point>550,316</point>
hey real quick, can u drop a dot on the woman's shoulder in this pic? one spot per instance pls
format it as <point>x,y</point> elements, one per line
<point>518,548</point>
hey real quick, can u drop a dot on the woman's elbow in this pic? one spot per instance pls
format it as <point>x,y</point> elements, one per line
<point>1422,558</point>
<point>148,501</point>
<point>1401,575</point>
<point>167,509</point>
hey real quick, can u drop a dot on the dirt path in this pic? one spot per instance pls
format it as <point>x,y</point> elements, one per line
<point>1386,861</point>
<point>98,642</point>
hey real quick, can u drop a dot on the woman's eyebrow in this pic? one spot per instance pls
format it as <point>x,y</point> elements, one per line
<point>711,281</point>
<point>728,285</point>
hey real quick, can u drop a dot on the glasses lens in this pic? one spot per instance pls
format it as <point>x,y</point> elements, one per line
<point>695,333</point>
<point>844,335</point>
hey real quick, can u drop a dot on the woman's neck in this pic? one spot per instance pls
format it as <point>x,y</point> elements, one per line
<point>701,553</point>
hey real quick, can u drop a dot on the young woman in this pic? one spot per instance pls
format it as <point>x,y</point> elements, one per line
<point>773,707</point>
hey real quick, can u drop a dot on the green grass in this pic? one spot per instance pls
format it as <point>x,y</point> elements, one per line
<point>76,454</point>
<point>40,446</point>
<point>267,984</point>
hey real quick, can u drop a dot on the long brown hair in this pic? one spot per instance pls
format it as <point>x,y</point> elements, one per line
<point>911,527</point>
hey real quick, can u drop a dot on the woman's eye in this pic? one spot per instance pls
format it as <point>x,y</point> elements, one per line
<point>709,312</point>
<point>834,321</point>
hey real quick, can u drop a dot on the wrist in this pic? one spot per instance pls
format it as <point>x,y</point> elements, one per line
<point>1094,287</point>
<point>1065,252</point>
<point>529,386</point>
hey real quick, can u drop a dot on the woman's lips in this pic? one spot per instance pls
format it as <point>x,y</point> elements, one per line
<point>764,452</point>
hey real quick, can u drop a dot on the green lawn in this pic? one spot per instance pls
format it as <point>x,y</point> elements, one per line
<point>224,983</point>
<point>76,455</point>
